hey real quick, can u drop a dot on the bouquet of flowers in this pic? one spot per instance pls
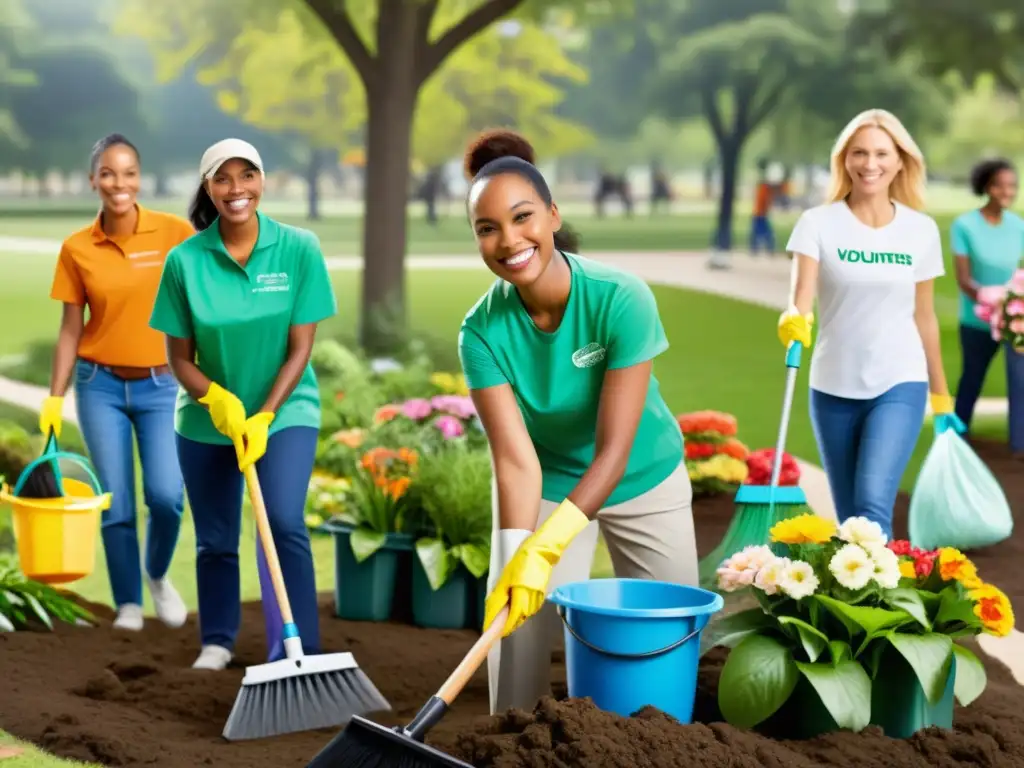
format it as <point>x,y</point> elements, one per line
<point>715,458</point>
<point>759,466</point>
<point>1002,307</point>
<point>835,607</point>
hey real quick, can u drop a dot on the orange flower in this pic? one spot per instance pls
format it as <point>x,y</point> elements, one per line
<point>708,421</point>
<point>993,607</point>
<point>398,488</point>
<point>954,565</point>
<point>736,449</point>
<point>386,413</point>
<point>353,438</point>
<point>339,396</point>
<point>408,456</point>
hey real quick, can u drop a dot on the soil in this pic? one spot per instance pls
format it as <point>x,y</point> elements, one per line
<point>132,700</point>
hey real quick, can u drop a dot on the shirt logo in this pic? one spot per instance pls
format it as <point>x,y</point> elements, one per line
<point>271,282</point>
<point>588,356</point>
<point>853,256</point>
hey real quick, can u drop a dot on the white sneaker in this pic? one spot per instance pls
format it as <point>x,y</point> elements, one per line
<point>129,616</point>
<point>213,657</point>
<point>170,608</point>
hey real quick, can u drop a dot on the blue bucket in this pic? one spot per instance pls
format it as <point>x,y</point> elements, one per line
<point>631,643</point>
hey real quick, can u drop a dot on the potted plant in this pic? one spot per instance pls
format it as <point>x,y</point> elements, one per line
<point>852,630</point>
<point>27,604</point>
<point>452,559</point>
<point>369,534</point>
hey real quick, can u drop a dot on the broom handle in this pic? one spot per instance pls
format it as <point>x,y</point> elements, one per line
<point>793,355</point>
<point>252,482</point>
<point>473,660</point>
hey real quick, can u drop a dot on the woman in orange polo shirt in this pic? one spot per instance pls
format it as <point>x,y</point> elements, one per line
<point>121,377</point>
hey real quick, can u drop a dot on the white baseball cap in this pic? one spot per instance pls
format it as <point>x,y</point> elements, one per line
<point>228,149</point>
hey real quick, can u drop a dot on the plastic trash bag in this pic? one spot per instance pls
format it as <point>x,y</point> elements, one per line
<point>957,501</point>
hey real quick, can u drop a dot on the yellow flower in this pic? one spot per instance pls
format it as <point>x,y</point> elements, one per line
<point>907,569</point>
<point>804,529</point>
<point>450,383</point>
<point>993,607</point>
<point>954,565</point>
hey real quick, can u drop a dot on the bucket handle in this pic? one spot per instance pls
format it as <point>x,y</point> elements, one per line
<point>53,456</point>
<point>605,652</point>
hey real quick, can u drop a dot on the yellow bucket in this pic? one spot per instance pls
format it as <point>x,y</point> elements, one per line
<point>57,537</point>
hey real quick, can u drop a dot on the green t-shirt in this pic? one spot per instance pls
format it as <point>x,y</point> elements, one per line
<point>240,317</point>
<point>994,250</point>
<point>611,321</point>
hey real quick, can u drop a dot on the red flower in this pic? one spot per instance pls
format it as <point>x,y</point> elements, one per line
<point>759,466</point>
<point>923,565</point>
<point>699,450</point>
<point>900,547</point>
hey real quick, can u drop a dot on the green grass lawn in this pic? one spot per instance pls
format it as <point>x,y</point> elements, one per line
<point>20,754</point>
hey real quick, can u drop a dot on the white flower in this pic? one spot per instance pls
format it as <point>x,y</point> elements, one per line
<point>860,530</point>
<point>852,566</point>
<point>798,580</point>
<point>887,566</point>
<point>739,570</point>
<point>769,576</point>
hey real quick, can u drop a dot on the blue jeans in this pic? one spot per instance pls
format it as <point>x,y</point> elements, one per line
<point>109,407</point>
<point>215,486</point>
<point>761,233</point>
<point>865,446</point>
<point>978,349</point>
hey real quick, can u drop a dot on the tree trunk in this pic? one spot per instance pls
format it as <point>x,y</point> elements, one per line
<point>317,161</point>
<point>729,152</point>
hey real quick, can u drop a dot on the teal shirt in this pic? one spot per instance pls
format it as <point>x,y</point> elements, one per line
<point>611,321</point>
<point>240,318</point>
<point>994,250</point>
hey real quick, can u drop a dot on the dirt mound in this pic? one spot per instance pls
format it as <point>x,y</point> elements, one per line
<point>130,699</point>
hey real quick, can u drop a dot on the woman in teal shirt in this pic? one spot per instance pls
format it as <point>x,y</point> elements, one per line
<point>989,244</point>
<point>558,355</point>
<point>239,303</point>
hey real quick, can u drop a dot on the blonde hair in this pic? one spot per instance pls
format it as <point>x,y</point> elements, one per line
<point>908,186</point>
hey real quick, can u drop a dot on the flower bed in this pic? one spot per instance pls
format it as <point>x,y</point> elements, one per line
<point>715,459</point>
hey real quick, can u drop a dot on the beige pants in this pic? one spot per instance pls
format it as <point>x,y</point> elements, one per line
<point>649,537</point>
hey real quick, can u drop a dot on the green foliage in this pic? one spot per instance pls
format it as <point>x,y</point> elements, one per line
<point>26,604</point>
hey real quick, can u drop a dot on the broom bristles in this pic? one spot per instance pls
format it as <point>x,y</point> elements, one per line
<point>302,702</point>
<point>365,744</point>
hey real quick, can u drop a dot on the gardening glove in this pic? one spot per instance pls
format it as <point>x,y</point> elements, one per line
<point>523,583</point>
<point>51,415</point>
<point>795,327</point>
<point>943,416</point>
<point>226,411</point>
<point>255,435</point>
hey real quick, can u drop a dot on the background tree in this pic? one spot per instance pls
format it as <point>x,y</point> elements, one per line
<point>16,32</point>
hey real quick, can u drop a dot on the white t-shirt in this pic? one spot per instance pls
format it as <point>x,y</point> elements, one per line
<point>867,341</point>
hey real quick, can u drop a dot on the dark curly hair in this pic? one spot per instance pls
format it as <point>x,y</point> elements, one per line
<point>984,172</point>
<point>497,152</point>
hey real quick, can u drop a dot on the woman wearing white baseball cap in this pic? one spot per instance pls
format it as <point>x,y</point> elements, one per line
<point>240,302</point>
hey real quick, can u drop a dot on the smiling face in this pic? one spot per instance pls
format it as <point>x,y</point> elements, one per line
<point>514,227</point>
<point>1003,188</point>
<point>236,188</point>
<point>872,160</point>
<point>116,179</point>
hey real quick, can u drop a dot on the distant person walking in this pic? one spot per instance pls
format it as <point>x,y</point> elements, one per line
<point>871,256</point>
<point>122,381</point>
<point>989,247</point>
<point>240,303</point>
<point>761,232</point>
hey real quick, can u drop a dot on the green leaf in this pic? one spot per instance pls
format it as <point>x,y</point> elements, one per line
<point>840,651</point>
<point>5,624</point>
<point>730,630</point>
<point>954,609</point>
<point>758,677</point>
<point>860,618</point>
<point>844,689</point>
<point>908,600</point>
<point>813,639</point>
<point>930,657</point>
<point>39,611</point>
<point>971,678</point>
<point>436,562</point>
<point>365,543</point>
<point>476,559</point>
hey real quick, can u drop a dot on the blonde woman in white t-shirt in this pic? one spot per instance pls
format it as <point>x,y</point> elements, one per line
<point>870,256</point>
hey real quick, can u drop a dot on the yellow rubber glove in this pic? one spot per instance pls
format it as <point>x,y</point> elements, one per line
<point>523,583</point>
<point>941,404</point>
<point>51,415</point>
<point>255,434</point>
<point>226,411</point>
<point>795,327</point>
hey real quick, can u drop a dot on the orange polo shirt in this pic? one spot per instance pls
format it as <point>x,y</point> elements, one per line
<point>117,279</point>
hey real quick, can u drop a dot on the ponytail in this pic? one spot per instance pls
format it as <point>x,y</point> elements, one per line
<point>202,212</point>
<point>567,239</point>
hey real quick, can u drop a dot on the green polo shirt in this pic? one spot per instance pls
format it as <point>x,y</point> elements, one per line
<point>240,317</point>
<point>611,321</point>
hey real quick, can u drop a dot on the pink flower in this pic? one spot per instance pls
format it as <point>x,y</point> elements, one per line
<point>450,426</point>
<point>1017,325</point>
<point>417,409</point>
<point>1015,307</point>
<point>997,335</point>
<point>456,405</point>
<point>984,312</point>
<point>991,295</point>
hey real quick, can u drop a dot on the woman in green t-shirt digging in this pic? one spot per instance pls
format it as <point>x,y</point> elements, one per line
<point>558,357</point>
<point>240,302</point>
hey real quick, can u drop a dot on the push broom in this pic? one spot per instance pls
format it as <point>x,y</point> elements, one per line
<point>365,744</point>
<point>760,507</point>
<point>299,692</point>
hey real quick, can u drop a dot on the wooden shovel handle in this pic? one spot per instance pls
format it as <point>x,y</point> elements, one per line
<point>473,660</point>
<point>252,482</point>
